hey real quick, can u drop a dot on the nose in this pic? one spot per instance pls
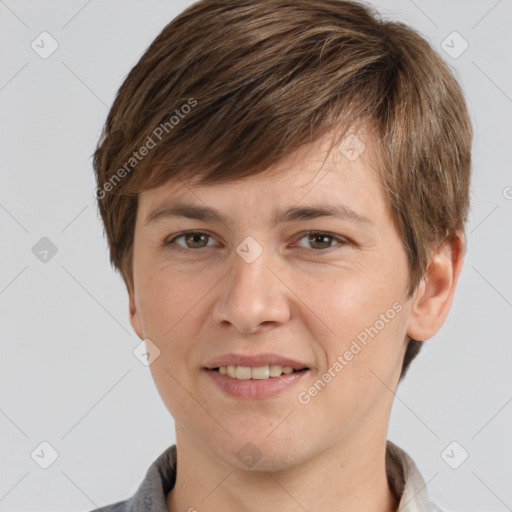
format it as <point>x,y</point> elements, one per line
<point>253,296</point>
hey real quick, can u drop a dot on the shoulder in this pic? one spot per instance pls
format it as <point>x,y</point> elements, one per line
<point>151,494</point>
<point>120,506</point>
<point>406,481</point>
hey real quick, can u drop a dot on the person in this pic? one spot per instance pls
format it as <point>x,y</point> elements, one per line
<point>284,187</point>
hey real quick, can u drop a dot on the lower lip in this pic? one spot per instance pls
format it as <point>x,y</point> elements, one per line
<point>255,388</point>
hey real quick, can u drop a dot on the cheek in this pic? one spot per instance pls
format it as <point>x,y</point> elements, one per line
<point>172,312</point>
<point>168,296</point>
<point>172,303</point>
<point>360,335</point>
<point>346,304</point>
<point>356,382</point>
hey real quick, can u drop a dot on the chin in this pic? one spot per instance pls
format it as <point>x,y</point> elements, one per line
<point>259,452</point>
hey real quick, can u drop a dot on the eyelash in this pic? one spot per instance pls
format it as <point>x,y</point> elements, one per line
<point>341,241</point>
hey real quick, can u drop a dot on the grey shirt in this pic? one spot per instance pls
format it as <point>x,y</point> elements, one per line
<point>404,480</point>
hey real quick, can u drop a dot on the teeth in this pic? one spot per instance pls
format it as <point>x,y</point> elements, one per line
<point>275,370</point>
<point>243,372</point>
<point>258,372</point>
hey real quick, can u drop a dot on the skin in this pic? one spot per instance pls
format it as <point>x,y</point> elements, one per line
<point>296,299</point>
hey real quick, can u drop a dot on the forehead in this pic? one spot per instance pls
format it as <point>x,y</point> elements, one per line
<point>352,157</point>
<point>315,173</point>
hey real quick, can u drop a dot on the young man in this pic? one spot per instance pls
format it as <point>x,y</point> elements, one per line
<point>284,187</point>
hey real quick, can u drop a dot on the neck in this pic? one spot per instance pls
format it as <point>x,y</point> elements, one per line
<point>349,476</point>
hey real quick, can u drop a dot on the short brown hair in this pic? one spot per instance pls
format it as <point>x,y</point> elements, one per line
<point>261,78</point>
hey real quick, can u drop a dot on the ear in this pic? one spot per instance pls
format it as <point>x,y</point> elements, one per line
<point>135,318</point>
<point>433,297</point>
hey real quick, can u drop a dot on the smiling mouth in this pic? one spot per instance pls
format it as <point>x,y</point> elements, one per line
<point>256,372</point>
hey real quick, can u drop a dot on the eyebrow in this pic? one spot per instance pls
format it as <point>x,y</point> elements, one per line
<point>295,213</point>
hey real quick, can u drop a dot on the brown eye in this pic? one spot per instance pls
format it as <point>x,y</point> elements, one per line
<point>319,240</point>
<point>193,240</point>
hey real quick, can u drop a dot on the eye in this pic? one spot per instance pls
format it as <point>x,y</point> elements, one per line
<point>199,240</point>
<point>321,239</point>
<point>193,240</point>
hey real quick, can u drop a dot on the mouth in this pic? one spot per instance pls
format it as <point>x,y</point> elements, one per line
<point>256,382</point>
<point>269,371</point>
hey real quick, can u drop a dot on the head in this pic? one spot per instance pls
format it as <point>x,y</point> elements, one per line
<point>250,107</point>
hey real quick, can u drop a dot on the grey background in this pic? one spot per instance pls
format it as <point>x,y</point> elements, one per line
<point>68,375</point>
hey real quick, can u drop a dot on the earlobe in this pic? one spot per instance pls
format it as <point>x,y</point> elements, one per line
<point>135,316</point>
<point>434,296</point>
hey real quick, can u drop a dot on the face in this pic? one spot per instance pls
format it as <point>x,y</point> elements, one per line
<point>326,291</point>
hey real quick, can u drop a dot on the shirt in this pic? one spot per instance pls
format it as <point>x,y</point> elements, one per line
<point>404,478</point>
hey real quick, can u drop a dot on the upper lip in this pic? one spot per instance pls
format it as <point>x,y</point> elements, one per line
<point>253,361</point>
